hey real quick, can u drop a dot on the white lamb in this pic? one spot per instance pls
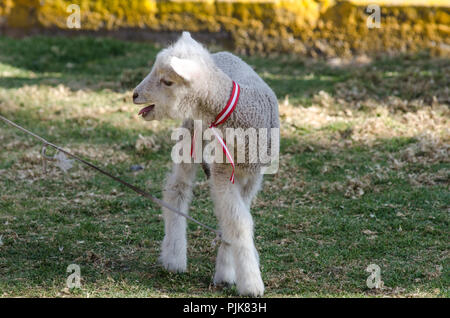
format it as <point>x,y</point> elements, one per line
<point>188,83</point>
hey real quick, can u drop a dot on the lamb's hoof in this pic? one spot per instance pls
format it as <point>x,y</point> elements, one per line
<point>173,255</point>
<point>253,287</point>
<point>173,265</point>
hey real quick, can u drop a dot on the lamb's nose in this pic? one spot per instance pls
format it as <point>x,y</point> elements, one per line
<point>135,95</point>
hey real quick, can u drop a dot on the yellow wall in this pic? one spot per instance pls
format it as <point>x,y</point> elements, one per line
<point>312,27</point>
<point>426,3</point>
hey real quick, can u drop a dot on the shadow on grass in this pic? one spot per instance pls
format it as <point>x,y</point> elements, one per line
<point>17,82</point>
<point>86,63</point>
<point>86,59</point>
<point>99,63</point>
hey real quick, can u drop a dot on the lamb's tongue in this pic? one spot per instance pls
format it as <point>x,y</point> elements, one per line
<point>146,109</point>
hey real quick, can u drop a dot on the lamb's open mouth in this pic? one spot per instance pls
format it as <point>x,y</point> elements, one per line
<point>144,111</point>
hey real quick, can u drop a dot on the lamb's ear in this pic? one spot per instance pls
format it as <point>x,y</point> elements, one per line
<point>186,35</point>
<point>185,68</point>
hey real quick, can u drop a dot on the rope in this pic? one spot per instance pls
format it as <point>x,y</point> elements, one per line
<point>132,187</point>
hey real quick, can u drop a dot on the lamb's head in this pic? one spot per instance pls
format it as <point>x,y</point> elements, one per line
<point>173,86</point>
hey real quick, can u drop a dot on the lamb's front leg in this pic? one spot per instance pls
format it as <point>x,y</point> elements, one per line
<point>178,193</point>
<point>239,260</point>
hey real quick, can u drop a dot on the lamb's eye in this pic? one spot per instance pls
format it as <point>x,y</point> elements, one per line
<point>167,83</point>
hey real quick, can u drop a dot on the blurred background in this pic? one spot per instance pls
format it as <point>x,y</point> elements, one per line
<point>306,27</point>
<point>363,90</point>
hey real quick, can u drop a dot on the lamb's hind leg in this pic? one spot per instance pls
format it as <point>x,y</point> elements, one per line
<point>225,272</point>
<point>178,193</point>
<point>237,261</point>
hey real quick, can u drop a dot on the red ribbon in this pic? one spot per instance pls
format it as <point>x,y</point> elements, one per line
<point>220,119</point>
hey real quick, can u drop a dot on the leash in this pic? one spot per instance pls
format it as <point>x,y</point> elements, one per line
<point>132,187</point>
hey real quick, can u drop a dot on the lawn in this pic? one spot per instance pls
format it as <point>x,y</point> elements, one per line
<point>364,177</point>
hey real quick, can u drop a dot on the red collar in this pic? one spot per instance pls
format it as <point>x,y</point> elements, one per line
<point>229,108</point>
<point>221,118</point>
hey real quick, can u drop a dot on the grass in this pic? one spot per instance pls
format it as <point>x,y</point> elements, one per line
<point>364,177</point>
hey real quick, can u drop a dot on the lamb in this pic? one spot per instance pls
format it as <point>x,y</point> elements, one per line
<point>189,83</point>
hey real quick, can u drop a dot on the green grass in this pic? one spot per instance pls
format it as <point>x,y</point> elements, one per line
<point>364,177</point>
